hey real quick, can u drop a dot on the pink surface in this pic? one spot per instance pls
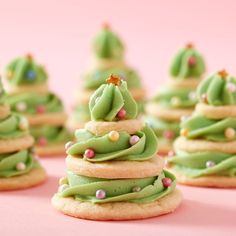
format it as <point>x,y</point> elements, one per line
<point>29,212</point>
<point>58,33</point>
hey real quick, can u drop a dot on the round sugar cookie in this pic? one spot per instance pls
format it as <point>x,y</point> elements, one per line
<point>34,177</point>
<point>101,127</point>
<point>38,88</point>
<point>12,145</point>
<point>197,145</point>
<point>190,83</point>
<point>206,181</point>
<point>216,112</point>
<point>117,210</point>
<point>54,118</point>
<point>50,150</point>
<point>116,169</point>
<point>171,114</point>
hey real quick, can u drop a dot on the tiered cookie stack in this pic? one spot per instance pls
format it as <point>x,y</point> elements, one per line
<point>30,96</point>
<point>113,171</point>
<point>108,59</point>
<point>18,167</point>
<point>176,100</point>
<point>206,150</point>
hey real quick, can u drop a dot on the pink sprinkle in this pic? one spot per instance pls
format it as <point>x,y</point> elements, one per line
<point>42,141</point>
<point>134,139</point>
<point>40,109</point>
<point>168,134</point>
<point>191,61</point>
<point>166,182</point>
<point>121,114</point>
<point>89,153</point>
<point>100,194</point>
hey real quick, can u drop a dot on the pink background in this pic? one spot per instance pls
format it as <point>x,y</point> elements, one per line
<point>58,33</point>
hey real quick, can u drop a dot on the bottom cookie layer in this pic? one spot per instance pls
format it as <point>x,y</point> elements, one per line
<point>34,177</point>
<point>117,210</point>
<point>50,150</point>
<point>206,181</point>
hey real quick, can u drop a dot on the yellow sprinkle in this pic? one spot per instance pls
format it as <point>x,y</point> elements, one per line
<point>114,136</point>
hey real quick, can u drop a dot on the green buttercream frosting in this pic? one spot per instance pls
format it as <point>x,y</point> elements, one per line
<point>201,127</point>
<point>2,93</point>
<point>219,89</point>
<point>188,63</point>
<point>195,164</point>
<point>49,101</point>
<point>53,134</point>
<point>107,45</point>
<point>176,98</point>
<point>109,99</point>
<point>25,71</point>
<point>106,149</point>
<point>9,161</point>
<point>118,190</point>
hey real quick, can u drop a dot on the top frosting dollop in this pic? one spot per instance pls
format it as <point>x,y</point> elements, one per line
<point>25,71</point>
<point>112,101</point>
<point>107,45</point>
<point>218,89</point>
<point>188,63</point>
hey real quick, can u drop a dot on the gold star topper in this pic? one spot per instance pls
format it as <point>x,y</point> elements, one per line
<point>113,80</point>
<point>223,74</point>
<point>29,56</point>
<point>106,26</point>
<point>189,45</point>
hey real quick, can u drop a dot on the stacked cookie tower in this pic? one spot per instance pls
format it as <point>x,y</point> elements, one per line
<point>108,58</point>
<point>176,100</point>
<point>29,95</point>
<point>18,167</point>
<point>206,150</point>
<point>113,171</point>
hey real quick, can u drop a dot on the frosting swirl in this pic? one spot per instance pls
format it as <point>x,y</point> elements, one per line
<point>9,161</point>
<point>31,103</point>
<point>188,63</point>
<point>218,89</point>
<point>197,164</point>
<point>106,149</point>
<point>84,188</point>
<point>25,71</point>
<point>109,99</point>
<point>13,126</point>
<point>198,126</point>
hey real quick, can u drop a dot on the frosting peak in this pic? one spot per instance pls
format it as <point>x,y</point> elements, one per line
<point>112,101</point>
<point>218,89</point>
<point>107,45</point>
<point>188,63</point>
<point>25,71</point>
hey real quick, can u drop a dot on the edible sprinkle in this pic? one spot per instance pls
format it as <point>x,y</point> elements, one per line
<point>223,74</point>
<point>113,80</point>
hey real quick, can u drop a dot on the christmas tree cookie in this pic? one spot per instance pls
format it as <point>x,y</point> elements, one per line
<point>29,95</point>
<point>113,171</point>
<point>19,167</point>
<point>108,58</point>
<point>206,150</point>
<point>177,99</point>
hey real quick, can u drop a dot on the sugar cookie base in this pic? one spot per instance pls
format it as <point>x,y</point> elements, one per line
<point>206,181</point>
<point>50,150</point>
<point>216,112</point>
<point>171,114</point>
<point>190,83</point>
<point>101,127</point>
<point>116,169</point>
<point>197,145</point>
<point>40,88</point>
<point>34,177</point>
<point>117,210</point>
<point>55,119</point>
<point>4,111</point>
<point>12,145</point>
